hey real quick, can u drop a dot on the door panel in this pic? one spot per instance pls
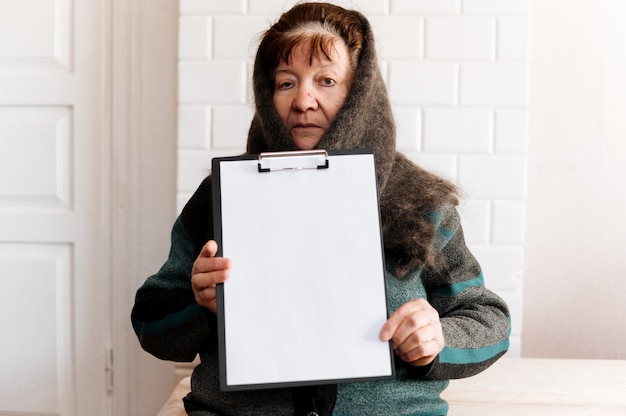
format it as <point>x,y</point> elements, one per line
<point>35,152</point>
<point>38,35</point>
<point>36,362</point>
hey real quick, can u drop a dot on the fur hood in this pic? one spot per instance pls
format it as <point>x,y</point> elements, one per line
<point>408,194</point>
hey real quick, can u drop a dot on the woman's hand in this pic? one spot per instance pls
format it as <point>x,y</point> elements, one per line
<point>206,273</point>
<point>415,330</point>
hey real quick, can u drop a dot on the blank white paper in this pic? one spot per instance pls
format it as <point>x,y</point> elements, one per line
<point>305,300</point>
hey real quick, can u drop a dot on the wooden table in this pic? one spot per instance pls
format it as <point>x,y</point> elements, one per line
<point>537,387</point>
<point>519,386</point>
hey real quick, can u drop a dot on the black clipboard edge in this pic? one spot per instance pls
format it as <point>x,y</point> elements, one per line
<point>303,383</point>
<point>217,229</point>
<point>221,330</point>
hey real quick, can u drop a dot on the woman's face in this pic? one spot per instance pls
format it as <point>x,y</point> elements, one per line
<point>308,95</point>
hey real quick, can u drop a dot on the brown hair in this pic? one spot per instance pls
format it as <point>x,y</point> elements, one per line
<point>319,24</point>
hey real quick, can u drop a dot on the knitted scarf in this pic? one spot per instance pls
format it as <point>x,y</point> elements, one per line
<point>407,193</point>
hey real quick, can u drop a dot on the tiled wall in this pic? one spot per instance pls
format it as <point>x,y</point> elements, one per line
<point>457,73</point>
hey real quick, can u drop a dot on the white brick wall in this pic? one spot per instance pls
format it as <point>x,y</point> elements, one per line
<point>457,74</point>
<point>460,38</point>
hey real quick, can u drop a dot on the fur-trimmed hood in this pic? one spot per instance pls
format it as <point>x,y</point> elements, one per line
<point>408,194</point>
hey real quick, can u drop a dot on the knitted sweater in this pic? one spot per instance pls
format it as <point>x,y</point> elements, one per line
<point>475,322</point>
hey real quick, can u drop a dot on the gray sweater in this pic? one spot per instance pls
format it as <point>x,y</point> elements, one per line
<point>475,322</point>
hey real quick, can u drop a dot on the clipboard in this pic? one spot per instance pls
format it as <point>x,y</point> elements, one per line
<point>306,296</point>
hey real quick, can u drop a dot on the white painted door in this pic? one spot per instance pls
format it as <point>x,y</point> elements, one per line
<point>54,234</point>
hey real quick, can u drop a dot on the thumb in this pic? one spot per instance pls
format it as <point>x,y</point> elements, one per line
<point>209,249</point>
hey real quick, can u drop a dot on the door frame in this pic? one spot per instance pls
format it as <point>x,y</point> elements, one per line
<point>142,56</point>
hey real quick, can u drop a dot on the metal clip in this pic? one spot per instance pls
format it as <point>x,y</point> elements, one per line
<point>294,160</point>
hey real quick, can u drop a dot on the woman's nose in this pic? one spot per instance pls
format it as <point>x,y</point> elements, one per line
<point>305,99</point>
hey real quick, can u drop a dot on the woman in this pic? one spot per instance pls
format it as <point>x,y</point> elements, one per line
<point>317,85</point>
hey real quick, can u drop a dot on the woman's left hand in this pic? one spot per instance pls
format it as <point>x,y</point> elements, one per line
<point>415,330</point>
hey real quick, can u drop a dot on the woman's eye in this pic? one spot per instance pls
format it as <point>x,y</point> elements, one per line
<point>283,85</point>
<point>327,82</point>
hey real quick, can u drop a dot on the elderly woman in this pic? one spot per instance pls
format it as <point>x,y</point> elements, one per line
<point>317,85</point>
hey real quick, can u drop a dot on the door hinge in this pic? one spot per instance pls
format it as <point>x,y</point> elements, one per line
<point>108,369</point>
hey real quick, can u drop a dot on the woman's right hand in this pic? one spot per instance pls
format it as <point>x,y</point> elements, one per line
<point>206,273</point>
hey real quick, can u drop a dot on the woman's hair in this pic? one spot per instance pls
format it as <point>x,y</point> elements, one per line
<point>318,24</point>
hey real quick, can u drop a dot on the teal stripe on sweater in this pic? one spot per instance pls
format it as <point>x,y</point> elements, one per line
<point>459,287</point>
<point>436,217</point>
<point>170,321</point>
<point>443,411</point>
<point>444,235</point>
<point>472,355</point>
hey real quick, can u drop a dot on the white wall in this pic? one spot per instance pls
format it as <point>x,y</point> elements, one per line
<point>576,224</point>
<point>457,75</point>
